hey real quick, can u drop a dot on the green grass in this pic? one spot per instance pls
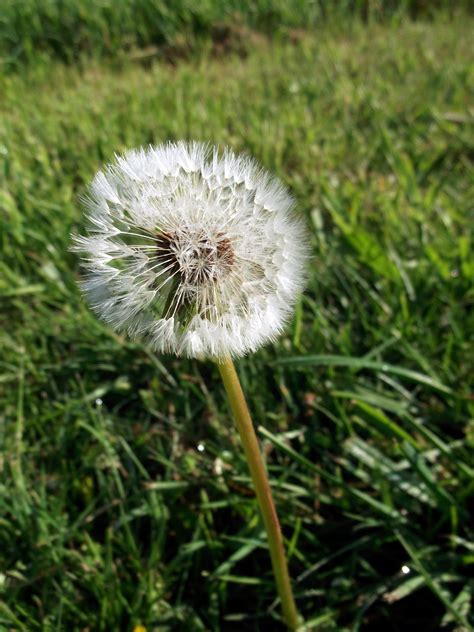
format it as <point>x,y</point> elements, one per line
<point>70,29</point>
<point>110,515</point>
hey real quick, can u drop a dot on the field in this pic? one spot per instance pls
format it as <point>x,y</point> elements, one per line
<point>124,496</point>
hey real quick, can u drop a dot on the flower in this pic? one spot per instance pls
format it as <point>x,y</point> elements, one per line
<point>195,250</point>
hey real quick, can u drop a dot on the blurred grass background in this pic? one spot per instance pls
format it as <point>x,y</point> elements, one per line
<point>124,496</point>
<point>68,29</point>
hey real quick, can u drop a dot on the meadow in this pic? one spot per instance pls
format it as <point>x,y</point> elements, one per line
<point>125,500</point>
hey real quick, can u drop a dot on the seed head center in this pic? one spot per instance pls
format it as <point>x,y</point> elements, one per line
<point>196,258</point>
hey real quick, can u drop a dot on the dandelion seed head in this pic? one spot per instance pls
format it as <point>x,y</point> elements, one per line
<point>195,250</point>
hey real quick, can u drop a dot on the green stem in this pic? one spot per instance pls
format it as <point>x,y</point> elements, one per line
<point>262,489</point>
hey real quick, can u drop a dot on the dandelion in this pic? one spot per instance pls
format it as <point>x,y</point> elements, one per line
<point>195,252</point>
<point>198,253</point>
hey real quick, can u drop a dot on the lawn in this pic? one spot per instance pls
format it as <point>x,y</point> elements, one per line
<point>125,499</point>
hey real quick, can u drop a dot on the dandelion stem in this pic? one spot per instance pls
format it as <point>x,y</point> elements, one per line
<point>262,489</point>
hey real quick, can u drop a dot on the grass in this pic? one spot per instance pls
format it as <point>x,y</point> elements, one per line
<point>124,496</point>
<point>70,29</point>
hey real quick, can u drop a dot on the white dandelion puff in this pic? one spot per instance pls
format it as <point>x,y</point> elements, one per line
<point>196,251</point>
